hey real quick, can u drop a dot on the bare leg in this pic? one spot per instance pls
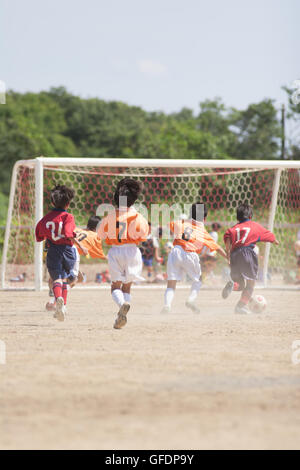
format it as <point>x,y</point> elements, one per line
<point>126,292</point>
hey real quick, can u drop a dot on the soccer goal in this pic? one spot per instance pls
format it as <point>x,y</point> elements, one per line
<point>271,187</point>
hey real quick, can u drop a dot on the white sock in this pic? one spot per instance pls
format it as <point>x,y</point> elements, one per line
<point>169,296</point>
<point>118,297</point>
<point>194,291</point>
<point>127,297</point>
<point>52,300</point>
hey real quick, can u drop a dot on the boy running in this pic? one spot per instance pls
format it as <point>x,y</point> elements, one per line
<point>240,242</point>
<point>58,229</point>
<point>88,240</point>
<point>123,229</point>
<point>190,237</point>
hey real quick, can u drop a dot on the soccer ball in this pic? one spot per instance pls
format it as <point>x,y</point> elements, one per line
<point>257,304</point>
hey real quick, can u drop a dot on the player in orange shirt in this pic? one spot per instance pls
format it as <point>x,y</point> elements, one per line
<point>88,239</point>
<point>123,229</point>
<point>190,237</point>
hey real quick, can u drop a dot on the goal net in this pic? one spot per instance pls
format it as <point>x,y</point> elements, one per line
<point>272,189</point>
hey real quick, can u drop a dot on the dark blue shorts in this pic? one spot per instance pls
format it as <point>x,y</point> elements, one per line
<point>243,264</point>
<point>61,260</point>
<point>148,262</point>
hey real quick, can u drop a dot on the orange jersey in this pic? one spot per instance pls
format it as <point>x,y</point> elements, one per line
<point>123,226</point>
<point>192,236</point>
<point>91,242</point>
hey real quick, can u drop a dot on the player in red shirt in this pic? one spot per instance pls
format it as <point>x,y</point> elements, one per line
<point>240,242</point>
<point>89,240</point>
<point>58,229</point>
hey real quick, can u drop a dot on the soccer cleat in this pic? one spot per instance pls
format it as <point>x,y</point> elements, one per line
<point>227,289</point>
<point>121,319</point>
<point>242,310</point>
<point>166,309</point>
<point>192,307</point>
<point>50,306</point>
<point>60,311</point>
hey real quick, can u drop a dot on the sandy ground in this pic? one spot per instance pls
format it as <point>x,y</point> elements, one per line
<point>180,381</point>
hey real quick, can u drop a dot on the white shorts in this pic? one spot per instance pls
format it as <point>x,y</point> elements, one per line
<point>77,263</point>
<point>181,262</point>
<point>125,263</point>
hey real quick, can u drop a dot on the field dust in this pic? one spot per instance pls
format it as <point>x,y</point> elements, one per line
<point>213,380</point>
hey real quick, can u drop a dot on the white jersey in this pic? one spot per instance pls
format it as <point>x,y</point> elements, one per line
<point>181,262</point>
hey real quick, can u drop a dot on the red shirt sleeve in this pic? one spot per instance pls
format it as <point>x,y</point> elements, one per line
<point>265,235</point>
<point>39,232</point>
<point>227,235</point>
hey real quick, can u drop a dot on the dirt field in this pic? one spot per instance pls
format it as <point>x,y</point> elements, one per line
<point>180,381</point>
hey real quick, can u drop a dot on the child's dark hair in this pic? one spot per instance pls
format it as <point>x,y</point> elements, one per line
<point>93,222</point>
<point>199,211</point>
<point>244,212</point>
<point>129,189</point>
<point>216,226</point>
<point>61,196</point>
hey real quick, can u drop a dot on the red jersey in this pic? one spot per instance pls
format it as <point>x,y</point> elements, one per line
<point>248,233</point>
<point>57,226</point>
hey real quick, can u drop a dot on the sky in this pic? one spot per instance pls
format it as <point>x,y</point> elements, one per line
<point>161,55</point>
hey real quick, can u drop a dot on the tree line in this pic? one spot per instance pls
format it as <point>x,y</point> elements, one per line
<point>57,123</point>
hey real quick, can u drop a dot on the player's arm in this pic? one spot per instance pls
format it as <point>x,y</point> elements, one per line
<point>222,252</point>
<point>228,243</point>
<point>70,233</point>
<point>39,236</point>
<point>84,250</point>
<point>212,245</point>
<point>267,236</point>
<point>228,248</point>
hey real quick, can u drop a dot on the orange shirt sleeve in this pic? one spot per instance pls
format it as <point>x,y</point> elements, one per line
<point>95,247</point>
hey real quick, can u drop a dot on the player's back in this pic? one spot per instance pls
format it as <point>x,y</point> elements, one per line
<point>192,236</point>
<point>123,226</point>
<point>57,226</point>
<point>248,233</point>
<point>90,241</point>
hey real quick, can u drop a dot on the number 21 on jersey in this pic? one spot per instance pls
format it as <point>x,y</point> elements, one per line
<point>51,225</point>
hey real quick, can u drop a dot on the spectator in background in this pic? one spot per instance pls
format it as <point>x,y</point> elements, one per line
<point>208,257</point>
<point>150,252</point>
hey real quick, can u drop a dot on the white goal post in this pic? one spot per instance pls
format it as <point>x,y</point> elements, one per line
<point>220,181</point>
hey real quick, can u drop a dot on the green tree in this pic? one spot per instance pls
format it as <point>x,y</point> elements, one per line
<point>257,130</point>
